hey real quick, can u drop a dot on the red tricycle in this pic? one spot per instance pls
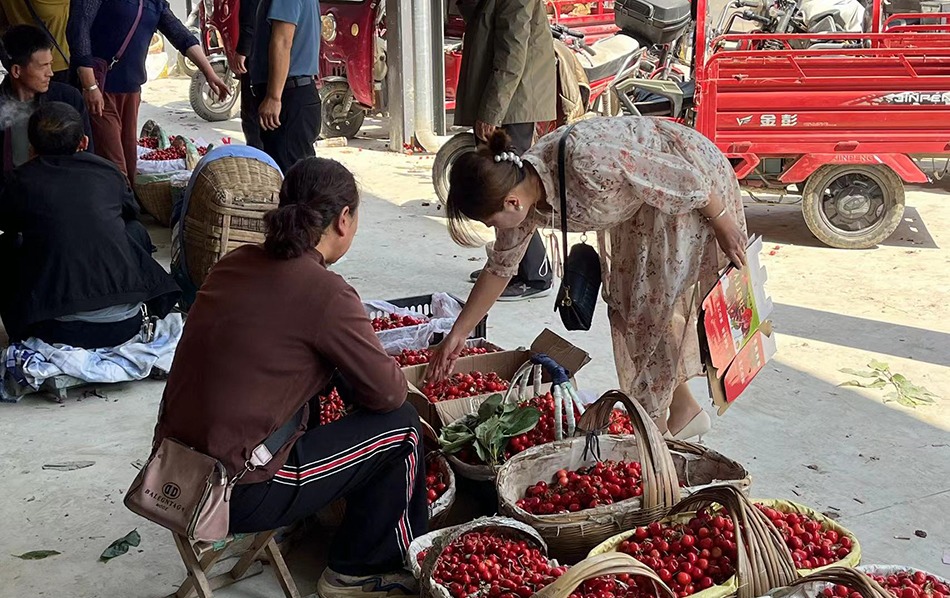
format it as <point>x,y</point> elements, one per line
<point>841,119</point>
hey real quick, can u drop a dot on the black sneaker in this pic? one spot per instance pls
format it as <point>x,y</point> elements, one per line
<point>474,275</point>
<point>519,291</point>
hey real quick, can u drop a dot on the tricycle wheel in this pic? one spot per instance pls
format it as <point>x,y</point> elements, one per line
<point>445,158</point>
<point>853,206</point>
<point>206,105</point>
<point>185,65</point>
<point>340,120</point>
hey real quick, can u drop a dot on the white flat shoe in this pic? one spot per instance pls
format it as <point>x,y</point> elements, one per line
<point>698,426</point>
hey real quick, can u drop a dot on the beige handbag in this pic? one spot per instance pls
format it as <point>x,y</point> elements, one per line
<point>187,492</point>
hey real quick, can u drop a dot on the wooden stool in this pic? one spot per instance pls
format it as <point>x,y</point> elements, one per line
<point>200,557</point>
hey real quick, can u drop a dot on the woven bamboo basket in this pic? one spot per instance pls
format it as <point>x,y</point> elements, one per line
<point>154,192</point>
<point>811,585</point>
<point>436,542</point>
<point>612,563</point>
<point>525,385</point>
<point>226,210</point>
<point>895,569</point>
<point>724,590</point>
<point>763,561</point>
<point>436,461</point>
<point>786,506</point>
<point>572,535</point>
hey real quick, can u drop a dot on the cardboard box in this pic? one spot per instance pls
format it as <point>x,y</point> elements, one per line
<point>736,337</point>
<point>505,363</point>
<point>472,342</point>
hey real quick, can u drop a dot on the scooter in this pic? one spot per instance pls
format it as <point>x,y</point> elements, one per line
<point>217,21</point>
<point>604,64</point>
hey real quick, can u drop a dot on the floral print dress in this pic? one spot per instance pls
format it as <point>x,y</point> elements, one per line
<point>638,183</point>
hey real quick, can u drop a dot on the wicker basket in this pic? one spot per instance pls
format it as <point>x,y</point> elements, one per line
<point>524,385</point>
<point>436,542</point>
<point>225,210</point>
<point>812,585</point>
<point>724,590</point>
<point>786,506</point>
<point>436,461</point>
<point>895,569</point>
<point>764,562</point>
<point>612,563</point>
<point>763,559</point>
<point>572,535</point>
<point>154,192</point>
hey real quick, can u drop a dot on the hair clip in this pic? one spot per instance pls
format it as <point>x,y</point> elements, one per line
<point>509,157</point>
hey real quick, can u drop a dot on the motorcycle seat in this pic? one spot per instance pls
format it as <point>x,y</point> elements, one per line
<point>609,55</point>
<point>651,104</point>
<point>835,16</point>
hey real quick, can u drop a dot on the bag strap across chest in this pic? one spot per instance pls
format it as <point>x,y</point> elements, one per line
<point>562,183</point>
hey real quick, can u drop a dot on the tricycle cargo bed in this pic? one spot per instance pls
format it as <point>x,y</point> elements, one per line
<point>804,101</point>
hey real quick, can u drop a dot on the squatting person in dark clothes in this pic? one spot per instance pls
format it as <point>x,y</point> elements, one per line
<point>77,266</point>
<point>269,330</point>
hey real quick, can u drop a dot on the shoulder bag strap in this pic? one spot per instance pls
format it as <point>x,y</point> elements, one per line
<point>42,25</point>
<point>128,38</point>
<point>562,184</point>
<point>281,435</point>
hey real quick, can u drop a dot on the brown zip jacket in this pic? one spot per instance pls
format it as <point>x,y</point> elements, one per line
<point>508,71</point>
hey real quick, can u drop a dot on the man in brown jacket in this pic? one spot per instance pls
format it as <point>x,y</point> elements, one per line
<point>508,79</point>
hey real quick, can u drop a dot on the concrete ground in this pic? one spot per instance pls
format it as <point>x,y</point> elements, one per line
<point>884,469</point>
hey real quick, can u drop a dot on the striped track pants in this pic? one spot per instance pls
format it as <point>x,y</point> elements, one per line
<point>374,461</point>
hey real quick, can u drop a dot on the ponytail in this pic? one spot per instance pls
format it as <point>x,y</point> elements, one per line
<point>291,230</point>
<point>314,193</point>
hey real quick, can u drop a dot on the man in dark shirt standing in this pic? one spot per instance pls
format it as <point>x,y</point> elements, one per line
<point>284,68</point>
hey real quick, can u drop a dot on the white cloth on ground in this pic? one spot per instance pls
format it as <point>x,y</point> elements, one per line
<point>29,364</point>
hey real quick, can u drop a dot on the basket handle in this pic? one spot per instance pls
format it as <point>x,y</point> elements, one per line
<point>565,398</point>
<point>511,527</point>
<point>611,563</point>
<point>430,439</point>
<point>764,560</point>
<point>846,576</point>
<point>660,483</point>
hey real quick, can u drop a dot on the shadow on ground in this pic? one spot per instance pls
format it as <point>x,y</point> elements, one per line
<point>785,225</point>
<point>908,342</point>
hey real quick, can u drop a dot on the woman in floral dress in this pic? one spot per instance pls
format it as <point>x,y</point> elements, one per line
<point>660,196</point>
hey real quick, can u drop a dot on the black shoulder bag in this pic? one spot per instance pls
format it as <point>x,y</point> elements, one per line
<point>580,283</point>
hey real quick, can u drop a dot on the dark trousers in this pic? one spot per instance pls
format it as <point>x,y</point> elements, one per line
<point>534,269</point>
<point>250,123</point>
<point>299,125</point>
<point>139,234</point>
<point>85,335</point>
<point>116,133</point>
<point>374,461</point>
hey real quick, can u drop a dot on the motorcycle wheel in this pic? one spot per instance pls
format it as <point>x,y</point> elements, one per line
<point>337,121</point>
<point>850,206</point>
<point>445,158</point>
<point>185,65</point>
<point>210,108</point>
